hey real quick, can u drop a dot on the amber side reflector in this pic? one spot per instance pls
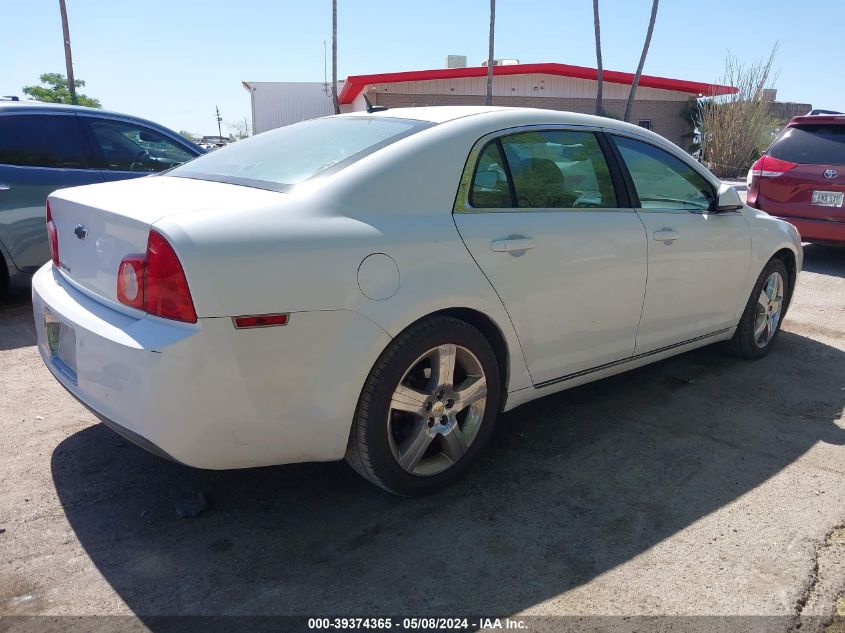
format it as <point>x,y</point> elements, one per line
<point>260,320</point>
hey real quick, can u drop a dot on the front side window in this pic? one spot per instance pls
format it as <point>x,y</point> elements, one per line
<point>43,140</point>
<point>662,181</point>
<point>292,154</point>
<point>551,169</point>
<point>129,147</point>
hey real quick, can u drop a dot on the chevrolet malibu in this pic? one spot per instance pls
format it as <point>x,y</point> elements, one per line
<point>380,286</point>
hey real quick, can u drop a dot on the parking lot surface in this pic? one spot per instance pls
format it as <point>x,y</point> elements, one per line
<point>699,485</point>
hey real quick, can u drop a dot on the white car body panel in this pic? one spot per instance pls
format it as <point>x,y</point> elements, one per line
<point>693,280</point>
<point>355,258</point>
<point>575,253</point>
<point>119,218</point>
<point>209,395</point>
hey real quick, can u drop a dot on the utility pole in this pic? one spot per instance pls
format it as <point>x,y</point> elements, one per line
<point>334,58</point>
<point>71,84</point>
<point>219,119</point>
<point>491,61</point>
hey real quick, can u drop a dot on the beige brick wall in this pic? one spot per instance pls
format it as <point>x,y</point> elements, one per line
<point>666,116</point>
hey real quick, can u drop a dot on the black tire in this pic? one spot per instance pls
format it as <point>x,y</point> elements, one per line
<point>371,443</point>
<point>744,344</point>
<point>4,278</point>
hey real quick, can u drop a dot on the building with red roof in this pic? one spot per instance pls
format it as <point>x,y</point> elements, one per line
<point>660,102</point>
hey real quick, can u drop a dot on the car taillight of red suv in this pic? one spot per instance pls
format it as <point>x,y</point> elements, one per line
<point>801,177</point>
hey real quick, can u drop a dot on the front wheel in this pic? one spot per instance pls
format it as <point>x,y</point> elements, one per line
<point>427,408</point>
<point>760,323</point>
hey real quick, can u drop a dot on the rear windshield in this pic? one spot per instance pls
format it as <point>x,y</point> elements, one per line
<point>281,158</point>
<point>818,143</point>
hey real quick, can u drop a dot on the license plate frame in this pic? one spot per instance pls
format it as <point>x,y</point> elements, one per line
<point>828,198</point>
<point>60,343</point>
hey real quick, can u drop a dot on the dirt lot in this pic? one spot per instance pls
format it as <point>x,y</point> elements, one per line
<point>700,485</point>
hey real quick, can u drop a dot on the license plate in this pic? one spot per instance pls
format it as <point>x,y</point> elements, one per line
<point>828,198</point>
<point>61,344</point>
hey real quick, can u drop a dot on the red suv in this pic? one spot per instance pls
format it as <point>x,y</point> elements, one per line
<point>801,177</point>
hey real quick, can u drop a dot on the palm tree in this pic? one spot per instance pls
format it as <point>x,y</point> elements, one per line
<point>599,108</point>
<point>488,100</point>
<point>642,60</point>
<point>334,57</point>
<point>71,84</point>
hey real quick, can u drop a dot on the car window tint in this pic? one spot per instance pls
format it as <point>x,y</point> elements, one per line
<point>814,144</point>
<point>490,187</point>
<point>558,170</point>
<point>130,147</point>
<point>289,155</point>
<point>46,140</point>
<point>663,181</point>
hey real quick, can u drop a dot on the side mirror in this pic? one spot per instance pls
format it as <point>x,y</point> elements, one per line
<point>728,199</point>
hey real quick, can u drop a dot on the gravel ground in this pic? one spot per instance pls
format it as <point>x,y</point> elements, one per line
<point>702,485</point>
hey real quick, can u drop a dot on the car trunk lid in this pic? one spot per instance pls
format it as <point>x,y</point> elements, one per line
<point>99,225</point>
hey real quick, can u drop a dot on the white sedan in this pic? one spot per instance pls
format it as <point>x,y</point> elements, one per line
<point>380,286</point>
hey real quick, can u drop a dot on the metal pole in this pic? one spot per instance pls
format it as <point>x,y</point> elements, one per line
<point>71,84</point>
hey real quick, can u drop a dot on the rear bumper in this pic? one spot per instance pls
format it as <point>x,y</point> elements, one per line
<point>818,230</point>
<point>206,394</point>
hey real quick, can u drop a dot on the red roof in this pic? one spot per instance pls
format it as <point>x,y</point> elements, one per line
<point>356,83</point>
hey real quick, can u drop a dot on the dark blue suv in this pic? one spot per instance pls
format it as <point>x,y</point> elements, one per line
<point>44,147</point>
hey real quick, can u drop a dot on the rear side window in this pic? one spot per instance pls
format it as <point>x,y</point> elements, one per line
<point>559,170</point>
<point>490,189</point>
<point>43,140</point>
<point>127,146</point>
<point>551,169</point>
<point>822,144</point>
<point>289,155</point>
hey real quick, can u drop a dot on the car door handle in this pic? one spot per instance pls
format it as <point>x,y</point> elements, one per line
<point>665,235</point>
<point>512,244</point>
<point>4,187</point>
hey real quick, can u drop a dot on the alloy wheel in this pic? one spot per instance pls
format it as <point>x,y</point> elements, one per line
<point>769,308</point>
<point>436,410</point>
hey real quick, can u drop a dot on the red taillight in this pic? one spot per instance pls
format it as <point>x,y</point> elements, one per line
<point>53,235</point>
<point>166,292</point>
<point>768,167</point>
<point>156,282</point>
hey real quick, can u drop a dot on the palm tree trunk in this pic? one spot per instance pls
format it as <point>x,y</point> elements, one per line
<point>642,60</point>
<point>596,23</point>
<point>71,84</point>
<point>488,100</point>
<point>334,57</point>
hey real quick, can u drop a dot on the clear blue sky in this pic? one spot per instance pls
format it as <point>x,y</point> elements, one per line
<point>173,61</point>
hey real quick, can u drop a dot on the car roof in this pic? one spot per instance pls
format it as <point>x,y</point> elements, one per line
<point>432,114</point>
<point>823,119</point>
<point>40,106</point>
<point>513,115</point>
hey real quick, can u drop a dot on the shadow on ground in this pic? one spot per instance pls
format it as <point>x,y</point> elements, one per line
<point>825,260</point>
<point>16,327</point>
<point>571,486</point>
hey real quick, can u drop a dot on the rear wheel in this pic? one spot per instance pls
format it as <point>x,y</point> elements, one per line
<point>760,323</point>
<point>4,277</point>
<point>427,408</point>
